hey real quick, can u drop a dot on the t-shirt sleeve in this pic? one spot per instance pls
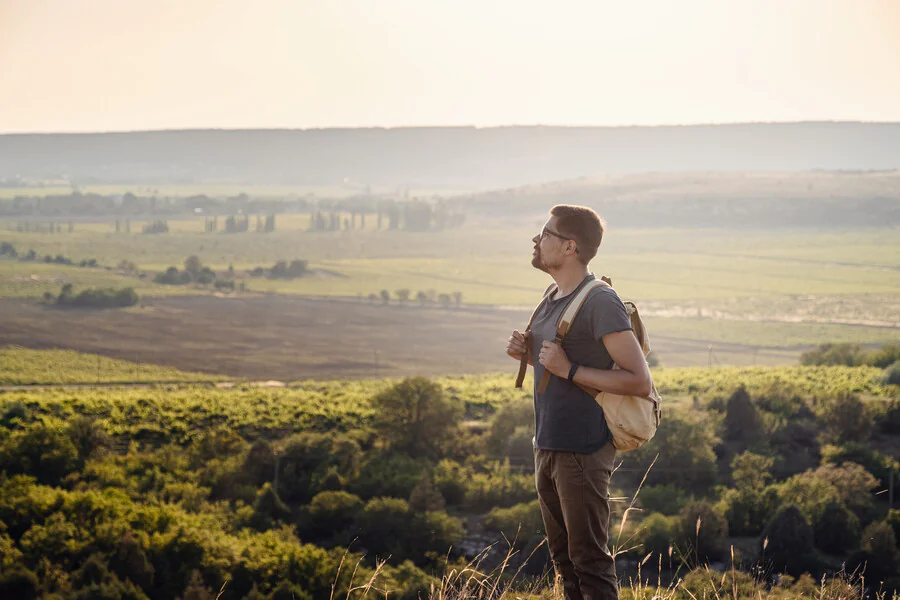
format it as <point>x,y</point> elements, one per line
<point>607,314</point>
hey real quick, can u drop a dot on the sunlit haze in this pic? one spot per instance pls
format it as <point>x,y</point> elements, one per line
<point>68,65</point>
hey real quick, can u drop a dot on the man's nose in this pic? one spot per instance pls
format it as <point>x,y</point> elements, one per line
<point>536,239</point>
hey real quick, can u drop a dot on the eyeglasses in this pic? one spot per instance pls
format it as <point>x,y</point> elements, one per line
<point>545,231</point>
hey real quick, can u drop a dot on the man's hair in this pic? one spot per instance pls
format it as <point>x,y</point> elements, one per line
<point>583,225</point>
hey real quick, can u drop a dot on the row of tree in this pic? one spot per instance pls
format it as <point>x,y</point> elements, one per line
<point>93,297</point>
<point>422,297</point>
<point>7,250</point>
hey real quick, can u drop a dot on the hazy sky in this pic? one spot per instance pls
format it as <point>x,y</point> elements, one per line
<point>82,65</point>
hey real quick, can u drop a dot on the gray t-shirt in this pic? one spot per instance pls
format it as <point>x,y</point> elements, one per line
<point>566,417</point>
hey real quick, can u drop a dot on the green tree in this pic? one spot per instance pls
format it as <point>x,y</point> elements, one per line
<point>750,505</point>
<point>879,550</point>
<point>383,525</point>
<point>854,486</point>
<point>43,450</point>
<point>195,589</point>
<point>308,459</point>
<point>416,417</point>
<point>332,512</point>
<point>268,508</point>
<point>847,419</point>
<point>701,532</point>
<point>837,530</point>
<point>834,354</point>
<point>192,266</point>
<point>685,456</point>
<point>425,496</point>
<point>787,541</point>
<point>19,583</point>
<point>656,533</point>
<point>810,494</point>
<point>742,422</point>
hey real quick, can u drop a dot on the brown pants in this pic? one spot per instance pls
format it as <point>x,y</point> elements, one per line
<point>573,490</point>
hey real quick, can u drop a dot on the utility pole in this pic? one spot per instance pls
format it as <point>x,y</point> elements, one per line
<point>891,489</point>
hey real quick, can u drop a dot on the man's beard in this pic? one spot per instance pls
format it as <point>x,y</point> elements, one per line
<point>538,263</point>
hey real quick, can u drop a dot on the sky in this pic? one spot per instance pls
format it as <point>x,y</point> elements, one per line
<point>124,65</point>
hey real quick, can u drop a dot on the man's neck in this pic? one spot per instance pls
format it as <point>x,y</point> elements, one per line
<point>568,279</point>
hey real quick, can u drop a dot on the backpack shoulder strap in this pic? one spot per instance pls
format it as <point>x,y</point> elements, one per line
<point>568,317</point>
<point>523,362</point>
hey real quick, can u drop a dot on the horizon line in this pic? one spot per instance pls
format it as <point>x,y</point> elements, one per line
<point>471,126</point>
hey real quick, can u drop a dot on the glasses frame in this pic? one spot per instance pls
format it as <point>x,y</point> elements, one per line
<point>545,230</point>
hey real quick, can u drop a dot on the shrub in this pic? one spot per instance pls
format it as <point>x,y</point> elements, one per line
<point>879,550</point>
<point>847,419</point>
<point>498,486</point>
<point>809,493</point>
<point>665,499</point>
<point>742,422</point>
<point>283,270</point>
<point>795,446</point>
<point>425,496</point>
<point>893,519</point>
<point>513,415</point>
<point>451,478</point>
<point>43,450</point>
<point>19,583</point>
<point>686,458</point>
<point>383,526</point>
<point>433,532</point>
<point>873,461</point>
<point>416,417</point>
<point>701,532</point>
<point>787,542</point>
<point>892,377</point>
<point>308,459</point>
<point>853,483</point>
<point>173,276</point>
<point>332,512</point>
<point>98,298</point>
<point>657,533</point>
<point>748,512</point>
<point>837,529</point>
<point>268,508</point>
<point>850,355</point>
<point>394,475</point>
<point>884,357</point>
<point>519,522</point>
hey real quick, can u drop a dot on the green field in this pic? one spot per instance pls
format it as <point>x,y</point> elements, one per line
<point>761,288</point>
<point>21,366</point>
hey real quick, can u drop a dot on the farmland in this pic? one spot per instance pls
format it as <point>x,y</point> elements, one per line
<point>759,297</point>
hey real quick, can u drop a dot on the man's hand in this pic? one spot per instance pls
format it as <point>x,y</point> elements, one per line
<point>554,359</point>
<point>516,345</point>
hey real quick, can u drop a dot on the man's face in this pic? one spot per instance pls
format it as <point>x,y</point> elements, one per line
<point>549,247</point>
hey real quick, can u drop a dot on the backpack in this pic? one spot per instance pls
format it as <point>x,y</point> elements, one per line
<point>632,420</point>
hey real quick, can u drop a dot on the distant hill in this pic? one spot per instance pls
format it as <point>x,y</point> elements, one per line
<point>465,157</point>
<point>806,199</point>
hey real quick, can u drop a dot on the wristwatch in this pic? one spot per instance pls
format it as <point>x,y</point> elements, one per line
<point>572,372</point>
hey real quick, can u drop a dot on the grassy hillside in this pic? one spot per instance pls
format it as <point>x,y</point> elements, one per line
<point>218,487</point>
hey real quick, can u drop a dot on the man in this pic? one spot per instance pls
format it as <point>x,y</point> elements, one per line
<point>573,451</point>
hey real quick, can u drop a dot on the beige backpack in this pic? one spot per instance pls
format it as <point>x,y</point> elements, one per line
<point>633,420</point>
